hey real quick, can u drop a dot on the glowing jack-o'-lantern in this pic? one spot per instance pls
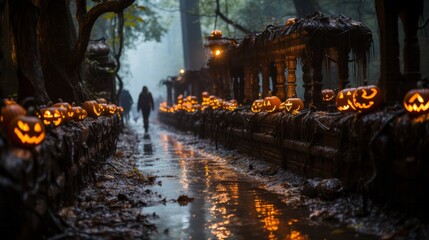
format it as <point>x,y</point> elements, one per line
<point>69,111</point>
<point>272,104</point>
<point>51,116</point>
<point>93,108</point>
<point>180,99</point>
<point>193,100</point>
<point>111,109</point>
<point>293,105</point>
<point>328,95</point>
<point>416,101</point>
<point>80,114</point>
<point>344,100</point>
<point>9,112</point>
<point>103,107</point>
<point>257,105</point>
<point>367,98</point>
<point>26,131</point>
<point>119,110</point>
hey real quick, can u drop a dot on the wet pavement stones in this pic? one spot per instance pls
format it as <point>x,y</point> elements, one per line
<point>111,206</point>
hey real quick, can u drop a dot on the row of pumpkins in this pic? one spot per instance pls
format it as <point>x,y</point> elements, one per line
<point>191,104</point>
<point>26,130</point>
<point>360,99</point>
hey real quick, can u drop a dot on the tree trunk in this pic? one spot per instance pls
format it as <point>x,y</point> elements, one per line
<point>24,19</point>
<point>191,34</point>
<point>56,42</point>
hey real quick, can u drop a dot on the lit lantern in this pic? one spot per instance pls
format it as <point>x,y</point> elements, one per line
<point>416,101</point>
<point>293,105</point>
<point>257,105</point>
<point>26,131</point>
<point>272,104</point>
<point>216,33</point>
<point>367,98</point>
<point>51,115</point>
<point>9,112</point>
<point>80,114</point>
<point>344,100</point>
<point>93,108</point>
<point>328,95</point>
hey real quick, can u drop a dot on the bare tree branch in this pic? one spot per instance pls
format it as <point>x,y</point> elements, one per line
<point>118,54</point>
<point>86,22</point>
<point>229,21</point>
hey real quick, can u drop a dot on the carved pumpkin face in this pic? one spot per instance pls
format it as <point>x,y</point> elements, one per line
<point>51,115</point>
<point>328,95</point>
<point>344,100</point>
<point>119,110</point>
<point>367,98</point>
<point>26,131</point>
<point>80,114</point>
<point>180,99</point>
<point>272,104</point>
<point>257,105</point>
<point>93,108</point>
<point>293,105</point>
<point>69,111</point>
<point>416,101</point>
<point>111,109</point>
<point>9,112</point>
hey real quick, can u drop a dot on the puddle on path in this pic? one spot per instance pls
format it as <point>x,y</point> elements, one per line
<point>226,204</point>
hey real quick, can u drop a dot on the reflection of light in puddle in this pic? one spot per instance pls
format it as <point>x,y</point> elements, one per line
<point>268,213</point>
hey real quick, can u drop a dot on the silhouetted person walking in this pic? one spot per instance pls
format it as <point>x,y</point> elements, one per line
<point>145,104</point>
<point>126,101</point>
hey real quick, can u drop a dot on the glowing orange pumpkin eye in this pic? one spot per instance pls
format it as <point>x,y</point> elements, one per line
<point>23,126</point>
<point>349,93</point>
<point>416,96</point>
<point>341,95</point>
<point>37,127</point>
<point>57,114</point>
<point>371,96</point>
<point>47,114</point>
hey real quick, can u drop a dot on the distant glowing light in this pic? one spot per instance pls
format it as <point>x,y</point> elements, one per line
<point>182,71</point>
<point>217,52</point>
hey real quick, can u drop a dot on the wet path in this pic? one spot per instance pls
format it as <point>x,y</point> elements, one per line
<point>226,204</point>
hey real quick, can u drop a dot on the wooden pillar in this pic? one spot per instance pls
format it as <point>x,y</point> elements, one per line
<point>247,83</point>
<point>255,83</point>
<point>306,78</point>
<point>280,84</point>
<point>265,67</point>
<point>317,79</point>
<point>291,76</point>
<point>411,51</point>
<point>273,75</point>
<point>227,83</point>
<point>343,68</point>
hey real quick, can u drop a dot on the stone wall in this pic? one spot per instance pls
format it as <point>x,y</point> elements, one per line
<point>35,183</point>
